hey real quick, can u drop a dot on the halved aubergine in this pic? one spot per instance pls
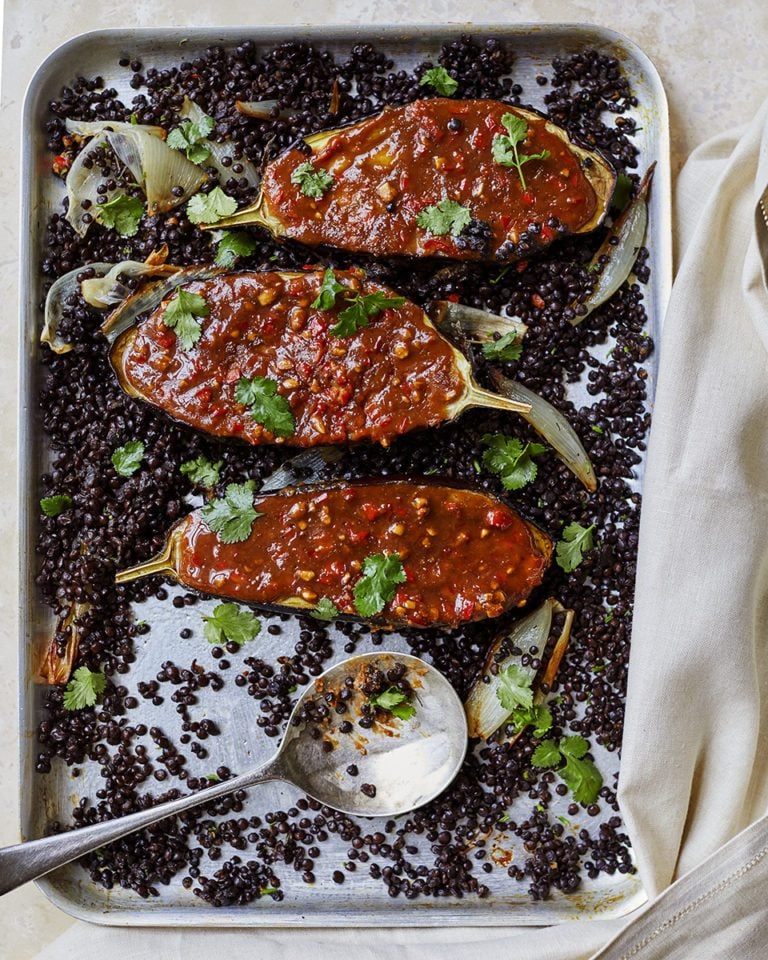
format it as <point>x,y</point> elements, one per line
<point>394,374</point>
<point>369,182</point>
<point>454,555</point>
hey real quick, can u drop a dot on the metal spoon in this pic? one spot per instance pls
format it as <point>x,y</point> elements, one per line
<point>408,761</point>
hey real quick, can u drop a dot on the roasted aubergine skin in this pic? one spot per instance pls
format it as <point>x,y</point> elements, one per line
<point>394,375</point>
<point>466,555</point>
<point>389,168</point>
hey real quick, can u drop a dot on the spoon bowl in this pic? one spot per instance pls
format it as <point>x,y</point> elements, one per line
<point>401,763</point>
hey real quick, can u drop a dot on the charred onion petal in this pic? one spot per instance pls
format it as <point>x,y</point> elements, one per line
<point>363,210</point>
<point>346,523</point>
<point>57,666</point>
<point>105,291</point>
<point>155,167</point>
<point>148,297</point>
<point>459,321</point>
<point>485,713</point>
<point>395,373</point>
<point>218,151</point>
<point>616,257</point>
<point>82,181</point>
<point>552,425</point>
<point>60,291</point>
<point>263,110</point>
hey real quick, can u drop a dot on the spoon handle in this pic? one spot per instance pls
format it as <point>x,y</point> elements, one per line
<point>27,861</point>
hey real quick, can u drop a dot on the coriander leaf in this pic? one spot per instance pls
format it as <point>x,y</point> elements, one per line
<point>395,702</point>
<point>504,147</point>
<point>210,207</point>
<point>514,689</point>
<point>84,689</point>
<point>582,778</point>
<point>537,716</point>
<point>575,542</point>
<point>127,459</point>
<point>232,516</point>
<point>439,79</point>
<point>202,472</point>
<point>313,181</point>
<point>325,610</point>
<point>329,288</point>
<point>229,623</point>
<point>507,347</point>
<point>266,405</point>
<point>574,747</point>
<point>213,778</point>
<point>511,459</point>
<point>378,585</point>
<point>360,311</point>
<point>447,216</point>
<point>547,754</point>
<point>231,245</point>
<point>188,136</point>
<point>121,214</point>
<point>181,315</point>
<point>58,503</point>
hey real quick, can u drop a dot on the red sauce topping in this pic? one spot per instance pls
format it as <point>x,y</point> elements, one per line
<point>391,167</point>
<point>395,375</point>
<point>466,555</point>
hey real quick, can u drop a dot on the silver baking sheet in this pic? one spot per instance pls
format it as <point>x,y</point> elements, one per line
<point>361,901</point>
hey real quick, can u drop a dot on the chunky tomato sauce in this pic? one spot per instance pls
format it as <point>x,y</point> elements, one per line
<point>466,555</point>
<point>391,167</point>
<point>395,375</point>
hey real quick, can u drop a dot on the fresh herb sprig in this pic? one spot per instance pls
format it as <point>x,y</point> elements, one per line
<point>446,216</point>
<point>266,405</point>
<point>325,609</point>
<point>382,573</point>
<point>515,687</point>
<point>394,701</point>
<point>84,689</point>
<point>232,244</point>
<point>505,146</point>
<point>202,472</point>
<point>575,542</point>
<point>581,776</point>
<point>229,623</point>
<point>440,80</point>
<point>507,347</point>
<point>361,307</point>
<point>511,459</point>
<point>127,459</point>
<point>58,503</point>
<point>121,213</point>
<point>232,516</point>
<point>188,136</point>
<point>183,315</point>
<point>311,180</point>
<point>210,207</point>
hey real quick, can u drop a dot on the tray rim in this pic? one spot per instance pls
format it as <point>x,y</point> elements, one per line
<point>198,37</point>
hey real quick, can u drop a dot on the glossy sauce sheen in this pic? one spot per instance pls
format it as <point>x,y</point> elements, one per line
<point>410,158</point>
<point>395,375</point>
<point>466,555</point>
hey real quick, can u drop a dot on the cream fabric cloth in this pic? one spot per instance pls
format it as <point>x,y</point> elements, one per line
<point>695,763</point>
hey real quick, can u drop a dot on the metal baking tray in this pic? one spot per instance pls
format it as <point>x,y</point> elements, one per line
<point>361,901</point>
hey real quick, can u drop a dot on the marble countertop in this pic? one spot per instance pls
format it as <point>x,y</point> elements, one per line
<point>711,57</point>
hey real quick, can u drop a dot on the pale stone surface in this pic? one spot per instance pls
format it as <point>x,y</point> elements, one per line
<point>711,57</point>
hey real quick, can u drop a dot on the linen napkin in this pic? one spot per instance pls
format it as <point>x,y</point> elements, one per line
<point>695,765</point>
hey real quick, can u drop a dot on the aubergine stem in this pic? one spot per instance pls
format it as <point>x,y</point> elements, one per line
<point>165,564</point>
<point>474,395</point>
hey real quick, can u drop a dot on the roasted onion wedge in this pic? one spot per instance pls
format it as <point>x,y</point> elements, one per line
<point>373,179</point>
<point>454,555</point>
<point>394,374</point>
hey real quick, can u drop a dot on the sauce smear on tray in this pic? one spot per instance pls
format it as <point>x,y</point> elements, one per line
<point>465,555</point>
